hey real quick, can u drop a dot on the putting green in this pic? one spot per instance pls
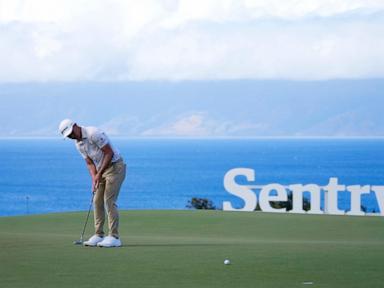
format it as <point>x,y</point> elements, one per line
<point>188,248</point>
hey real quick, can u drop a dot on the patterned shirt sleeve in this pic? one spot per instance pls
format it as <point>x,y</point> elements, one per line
<point>100,139</point>
<point>81,149</point>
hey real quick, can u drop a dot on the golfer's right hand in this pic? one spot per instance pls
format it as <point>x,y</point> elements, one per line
<point>94,185</point>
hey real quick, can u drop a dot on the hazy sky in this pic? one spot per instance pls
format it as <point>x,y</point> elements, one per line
<point>165,68</point>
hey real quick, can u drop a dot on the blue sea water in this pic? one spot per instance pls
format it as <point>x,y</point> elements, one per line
<point>48,175</point>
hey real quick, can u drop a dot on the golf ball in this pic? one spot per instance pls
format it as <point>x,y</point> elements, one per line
<point>227,262</point>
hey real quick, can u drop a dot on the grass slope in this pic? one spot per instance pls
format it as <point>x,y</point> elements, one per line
<point>187,249</point>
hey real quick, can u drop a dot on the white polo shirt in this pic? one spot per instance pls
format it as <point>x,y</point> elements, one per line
<point>93,139</point>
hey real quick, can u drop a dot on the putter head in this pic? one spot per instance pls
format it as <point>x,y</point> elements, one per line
<point>78,242</point>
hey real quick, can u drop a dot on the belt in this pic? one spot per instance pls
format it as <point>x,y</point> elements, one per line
<point>117,161</point>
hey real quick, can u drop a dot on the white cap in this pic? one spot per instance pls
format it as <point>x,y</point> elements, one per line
<point>66,127</point>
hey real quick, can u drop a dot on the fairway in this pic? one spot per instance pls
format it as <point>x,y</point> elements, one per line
<point>188,248</point>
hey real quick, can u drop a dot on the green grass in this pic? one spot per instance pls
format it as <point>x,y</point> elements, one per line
<point>187,249</point>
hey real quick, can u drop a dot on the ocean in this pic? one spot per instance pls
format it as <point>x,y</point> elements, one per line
<point>49,175</point>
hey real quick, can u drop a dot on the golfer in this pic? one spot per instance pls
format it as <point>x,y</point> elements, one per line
<point>107,170</point>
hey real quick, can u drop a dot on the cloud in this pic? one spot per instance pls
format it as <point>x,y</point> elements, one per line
<point>289,51</point>
<point>117,40</point>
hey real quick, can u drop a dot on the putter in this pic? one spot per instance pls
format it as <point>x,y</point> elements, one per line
<point>80,242</point>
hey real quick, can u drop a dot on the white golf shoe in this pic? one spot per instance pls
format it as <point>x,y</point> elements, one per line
<point>93,241</point>
<point>109,241</point>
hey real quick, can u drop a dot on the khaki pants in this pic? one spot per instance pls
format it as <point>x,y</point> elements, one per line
<point>106,196</point>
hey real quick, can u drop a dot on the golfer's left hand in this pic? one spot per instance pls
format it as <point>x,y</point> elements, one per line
<point>96,182</point>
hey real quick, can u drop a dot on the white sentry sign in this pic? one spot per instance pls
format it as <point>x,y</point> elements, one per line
<point>247,194</point>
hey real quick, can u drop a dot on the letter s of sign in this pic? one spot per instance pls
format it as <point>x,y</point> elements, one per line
<point>242,191</point>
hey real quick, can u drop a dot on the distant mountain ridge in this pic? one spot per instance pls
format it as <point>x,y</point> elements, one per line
<point>243,108</point>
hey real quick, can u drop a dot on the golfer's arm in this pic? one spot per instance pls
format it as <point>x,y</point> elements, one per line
<point>91,167</point>
<point>108,154</point>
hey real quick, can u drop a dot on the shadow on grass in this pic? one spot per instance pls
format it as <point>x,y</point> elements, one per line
<point>176,245</point>
<point>165,245</point>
